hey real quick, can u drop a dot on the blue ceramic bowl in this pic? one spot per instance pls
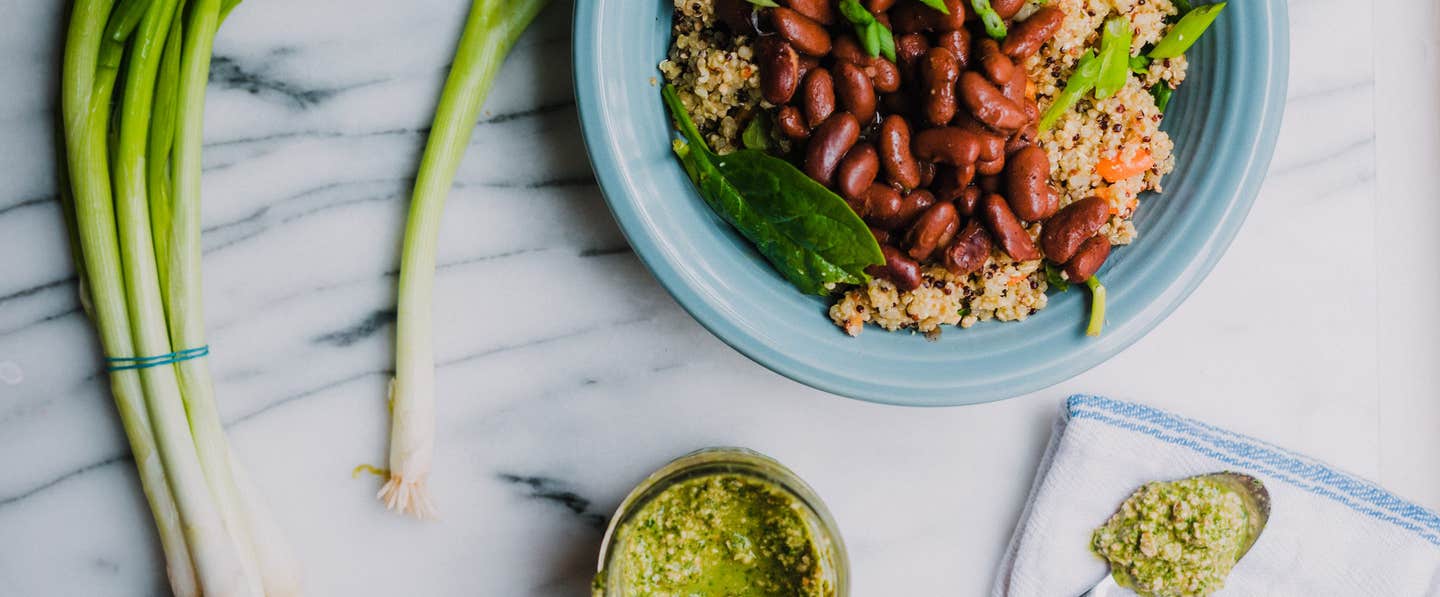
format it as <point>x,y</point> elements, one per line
<point>1224,120</point>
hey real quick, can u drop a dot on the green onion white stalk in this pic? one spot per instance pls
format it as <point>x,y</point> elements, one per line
<point>490,31</point>
<point>205,520</point>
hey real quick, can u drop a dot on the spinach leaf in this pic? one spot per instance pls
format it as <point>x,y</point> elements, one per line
<point>806,232</point>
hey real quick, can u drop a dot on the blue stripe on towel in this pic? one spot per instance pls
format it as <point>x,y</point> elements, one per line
<point>1241,451</point>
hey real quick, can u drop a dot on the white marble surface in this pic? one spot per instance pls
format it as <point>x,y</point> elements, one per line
<point>568,373</point>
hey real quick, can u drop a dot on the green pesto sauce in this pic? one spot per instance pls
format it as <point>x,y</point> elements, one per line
<point>1174,539</point>
<point>721,535</point>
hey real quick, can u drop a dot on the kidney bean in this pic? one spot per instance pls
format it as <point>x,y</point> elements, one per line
<point>968,252</point>
<point>792,124</point>
<point>912,206</point>
<point>1014,90</point>
<point>818,96</point>
<point>990,167</point>
<point>989,105</point>
<point>995,64</point>
<point>857,170</point>
<point>900,270</point>
<point>1027,36</point>
<point>1007,230</point>
<point>1027,185</point>
<point>909,49</point>
<point>828,144</point>
<point>958,42</point>
<point>880,206</point>
<point>1007,8</point>
<point>1088,259</point>
<point>947,145</point>
<point>1063,232</point>
<point>737,15</point>
<point>927,173</point>
<point>845,47</point>
<point>884,75</point>
<point>911,17</point>
<point>878,6</point>
<point>938,73</point>
<point>801,31</point>
<point>900,166</point>
<point>820,11</point>
<point>932,230</point>
<point>779,69</point>
<point>856,93</point>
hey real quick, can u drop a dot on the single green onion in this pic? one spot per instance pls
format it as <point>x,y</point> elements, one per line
<point>1186,31</point>
<point>1162,93</point>
<point>1114,56</point>
<point>1087,73</point>
<point>490,31</point>
<point>855,12</point>
<point>764,3</point>
<point>994,23</point>
<point>1097,306</point>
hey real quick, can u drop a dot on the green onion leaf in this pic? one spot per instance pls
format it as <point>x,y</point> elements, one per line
<point>764,3</point>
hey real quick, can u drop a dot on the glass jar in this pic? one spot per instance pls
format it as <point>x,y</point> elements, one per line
<point>834,563</point>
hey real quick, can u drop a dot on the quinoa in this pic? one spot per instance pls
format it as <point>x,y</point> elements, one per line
<point>712,73</point>
<point>718,83</point>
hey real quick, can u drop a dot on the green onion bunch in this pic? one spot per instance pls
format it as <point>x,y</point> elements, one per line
<point>132,106</point>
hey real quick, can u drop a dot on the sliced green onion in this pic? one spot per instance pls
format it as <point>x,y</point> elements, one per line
<point>1097,306</point>
<point>1114,56</point>
<point>1187,31</point>
<point>1140,65</point>
<point>764,3</point>
<point>490,31</point>
<point>937,5</point>
<point>994,23</point>
<point>1087,73</point>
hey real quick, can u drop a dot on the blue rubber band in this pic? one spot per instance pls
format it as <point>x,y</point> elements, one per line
<point>128,363</point>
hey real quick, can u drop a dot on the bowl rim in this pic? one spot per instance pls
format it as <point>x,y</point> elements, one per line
<point>666,266</point>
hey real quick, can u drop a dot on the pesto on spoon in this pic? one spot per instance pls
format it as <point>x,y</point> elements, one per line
<point>1181,538</point>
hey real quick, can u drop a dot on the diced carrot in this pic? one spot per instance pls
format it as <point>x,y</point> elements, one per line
<point>1105,193</point>
<point>1115,169</point>
<point>1014,280</point>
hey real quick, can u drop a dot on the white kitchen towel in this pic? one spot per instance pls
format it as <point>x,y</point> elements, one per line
<point>1330,533</point>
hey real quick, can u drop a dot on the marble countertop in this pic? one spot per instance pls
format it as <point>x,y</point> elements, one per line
<point>568,374</point>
